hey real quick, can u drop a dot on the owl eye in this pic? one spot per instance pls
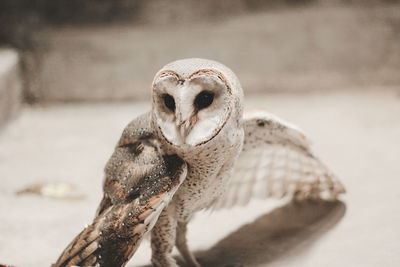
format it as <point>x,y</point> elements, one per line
<point>203,100</point>
<point>169,102</point>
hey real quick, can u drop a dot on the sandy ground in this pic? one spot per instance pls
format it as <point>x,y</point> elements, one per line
<point>356,133</point>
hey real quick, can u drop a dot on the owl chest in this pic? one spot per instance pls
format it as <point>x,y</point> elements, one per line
<point>197,191</point>
<point>206,181</point>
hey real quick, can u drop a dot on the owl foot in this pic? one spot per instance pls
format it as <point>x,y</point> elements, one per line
<point>164,261</point>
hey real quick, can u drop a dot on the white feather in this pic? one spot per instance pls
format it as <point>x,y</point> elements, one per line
<point>276,161</point>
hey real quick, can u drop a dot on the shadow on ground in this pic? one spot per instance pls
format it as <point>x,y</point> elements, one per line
<point>288,229</point>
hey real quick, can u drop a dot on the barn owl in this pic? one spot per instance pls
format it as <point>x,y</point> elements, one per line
<point>196,149</point>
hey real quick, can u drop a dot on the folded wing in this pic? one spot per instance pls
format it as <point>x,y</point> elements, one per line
<point>140,181</point>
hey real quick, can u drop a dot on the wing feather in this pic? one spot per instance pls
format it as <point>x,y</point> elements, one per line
<point>276,161</point>
<point>140,181</point>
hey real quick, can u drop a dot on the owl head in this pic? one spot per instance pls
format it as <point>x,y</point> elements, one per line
<point>193,99</point>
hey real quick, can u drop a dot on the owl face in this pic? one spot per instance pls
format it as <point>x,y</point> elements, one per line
<point>190,111</point>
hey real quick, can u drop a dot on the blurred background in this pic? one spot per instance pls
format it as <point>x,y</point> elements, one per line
<point>73,73</point>
<point>102,50</point>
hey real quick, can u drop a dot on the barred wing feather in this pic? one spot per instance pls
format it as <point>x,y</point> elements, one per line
<point>276,161</point>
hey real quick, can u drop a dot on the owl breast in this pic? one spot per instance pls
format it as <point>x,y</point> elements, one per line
<point>209,170</point>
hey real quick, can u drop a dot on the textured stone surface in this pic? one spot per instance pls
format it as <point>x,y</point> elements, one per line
<point>10,85</point>
<point>355,132</point>
<point>294,49</point>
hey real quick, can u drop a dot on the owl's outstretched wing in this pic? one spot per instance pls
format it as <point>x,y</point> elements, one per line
<point>276,161</point>
<point>140,181</point>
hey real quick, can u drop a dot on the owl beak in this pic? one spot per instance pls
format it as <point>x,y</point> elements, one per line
<point>185,126</point>
<point>184,129</point>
